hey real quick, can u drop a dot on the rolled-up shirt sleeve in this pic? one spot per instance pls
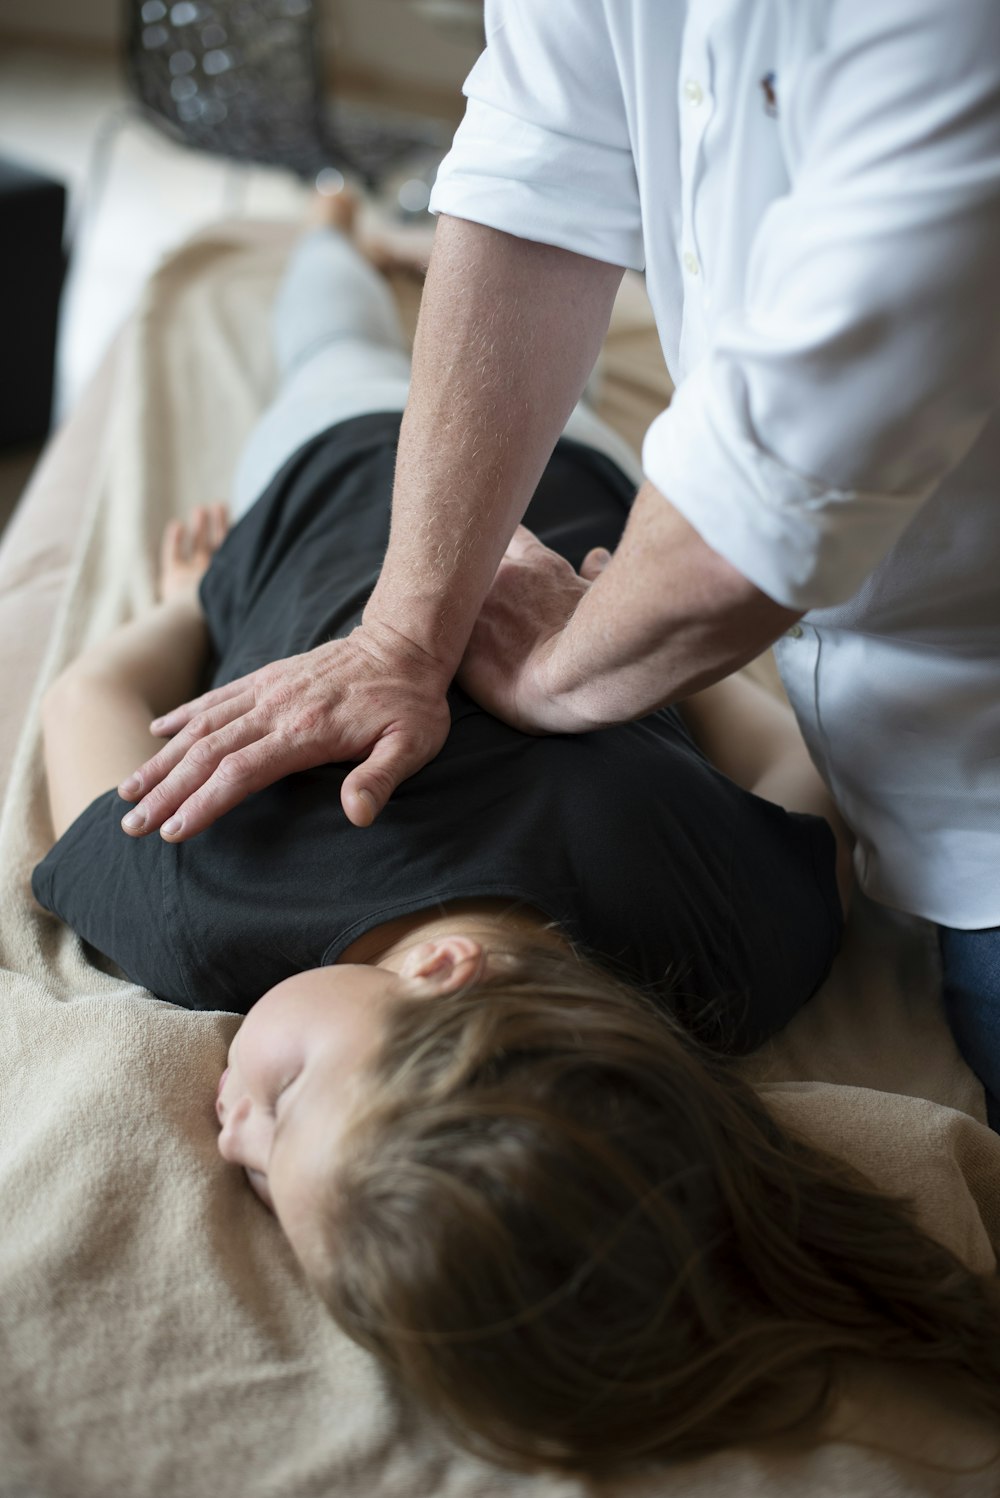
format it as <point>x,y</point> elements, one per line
<point>544,151</point>
<point>865,357</point>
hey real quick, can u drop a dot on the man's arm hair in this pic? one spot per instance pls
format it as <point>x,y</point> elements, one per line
<point>509,331</point>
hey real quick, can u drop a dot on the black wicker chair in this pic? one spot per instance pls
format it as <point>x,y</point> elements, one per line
<point>243,79</point>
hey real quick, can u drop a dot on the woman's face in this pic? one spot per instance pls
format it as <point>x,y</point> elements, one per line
<point>297,1067</point>
<point>293,1061</point>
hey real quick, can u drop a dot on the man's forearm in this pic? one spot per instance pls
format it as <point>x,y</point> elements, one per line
<point>509,331</point>
<point>666,617</point>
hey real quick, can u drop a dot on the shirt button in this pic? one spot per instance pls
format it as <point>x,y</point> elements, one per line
<point>795,633</point>
<point>693,92</point>
<point>691,263</point>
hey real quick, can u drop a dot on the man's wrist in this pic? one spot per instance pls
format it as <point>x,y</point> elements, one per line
<point>425,616</point>
<point>404,648</point>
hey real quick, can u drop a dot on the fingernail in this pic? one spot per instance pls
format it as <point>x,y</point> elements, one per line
<point>157,725</point>
<point>130,787</point>
<point>369,800</point>
<point>170,827</point>
<point>134,821</point>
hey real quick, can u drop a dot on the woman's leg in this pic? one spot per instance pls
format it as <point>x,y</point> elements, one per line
<point>340,350</point>
<point>971,964</point>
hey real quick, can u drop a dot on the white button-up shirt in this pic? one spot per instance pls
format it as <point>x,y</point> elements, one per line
<point>813,189</point>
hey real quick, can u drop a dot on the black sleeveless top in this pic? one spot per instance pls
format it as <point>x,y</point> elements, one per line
<point>644,855</point>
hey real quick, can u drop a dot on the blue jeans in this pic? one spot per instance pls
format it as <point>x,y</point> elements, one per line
<point>971,964</point>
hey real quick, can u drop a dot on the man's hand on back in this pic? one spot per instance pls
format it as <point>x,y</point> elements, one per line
<point>372,697</point>
<point>533,597</point>
<point>553,651</point>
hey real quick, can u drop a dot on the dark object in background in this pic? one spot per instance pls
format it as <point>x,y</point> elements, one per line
<point>32,267</point>
<point>244,79</point>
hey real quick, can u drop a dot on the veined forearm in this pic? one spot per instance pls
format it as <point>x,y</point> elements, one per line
<point>509,331</point>
<point>666,617</point>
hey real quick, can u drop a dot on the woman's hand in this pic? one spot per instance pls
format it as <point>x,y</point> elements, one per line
<point>533,596</point>
<point>372,697</point>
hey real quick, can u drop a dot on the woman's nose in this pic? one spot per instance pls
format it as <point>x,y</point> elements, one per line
<point>233,1127</point>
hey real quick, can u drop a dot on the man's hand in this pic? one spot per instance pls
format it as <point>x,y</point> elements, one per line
<point>372,697</point>
<point>533,596</point>
<point>554,652</point>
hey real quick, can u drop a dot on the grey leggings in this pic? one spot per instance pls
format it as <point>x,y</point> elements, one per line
<point>340,353</point>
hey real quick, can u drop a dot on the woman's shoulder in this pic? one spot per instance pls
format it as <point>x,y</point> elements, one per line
<point>109,889</point>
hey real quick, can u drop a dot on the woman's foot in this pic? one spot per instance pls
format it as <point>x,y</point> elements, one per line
<point>333,206</point>
<point>399,249</point>
<point>389,247</point>
<point>187,548</point>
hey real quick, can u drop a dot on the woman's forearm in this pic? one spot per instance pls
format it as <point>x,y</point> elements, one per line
<point>96,714</point>
<point>156,659</point>
<point>509,331</point>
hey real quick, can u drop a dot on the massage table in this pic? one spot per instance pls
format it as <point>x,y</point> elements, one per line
<point>156,1337</point>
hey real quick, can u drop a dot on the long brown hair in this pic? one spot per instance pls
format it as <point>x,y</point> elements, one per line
<point>583,1243</point>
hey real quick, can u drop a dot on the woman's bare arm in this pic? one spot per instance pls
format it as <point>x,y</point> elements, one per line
<point>96,714</point>
<point>752,736</point>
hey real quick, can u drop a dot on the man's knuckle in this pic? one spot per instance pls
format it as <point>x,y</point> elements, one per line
<point>232,770</point>
<point>159,767</point>
<point>156,800</point>
<point>279,684</point>
<point>193,731</point>
<point>203,755</point>
<point>380,782</point>
<point>306,723</point>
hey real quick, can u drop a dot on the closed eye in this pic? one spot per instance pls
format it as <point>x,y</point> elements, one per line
<point>284,1088</point>
<point>258,1181</point>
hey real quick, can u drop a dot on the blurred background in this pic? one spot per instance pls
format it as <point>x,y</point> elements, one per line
<point>126,125</point>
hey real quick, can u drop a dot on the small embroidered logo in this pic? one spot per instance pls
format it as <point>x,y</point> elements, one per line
<point>768,83</point>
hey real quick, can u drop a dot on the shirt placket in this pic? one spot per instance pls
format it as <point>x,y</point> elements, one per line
<point>797,653</point>
<point>695,105</point>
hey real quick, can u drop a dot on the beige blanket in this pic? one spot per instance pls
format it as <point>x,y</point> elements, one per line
<point>156,1339</point>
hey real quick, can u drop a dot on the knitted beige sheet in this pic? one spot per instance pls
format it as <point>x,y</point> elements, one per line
<point>156,1339</point>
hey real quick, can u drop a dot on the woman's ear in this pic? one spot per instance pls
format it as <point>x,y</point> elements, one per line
<point>445,964</point>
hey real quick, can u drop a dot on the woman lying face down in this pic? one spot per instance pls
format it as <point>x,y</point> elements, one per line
<point>538,1194</point>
